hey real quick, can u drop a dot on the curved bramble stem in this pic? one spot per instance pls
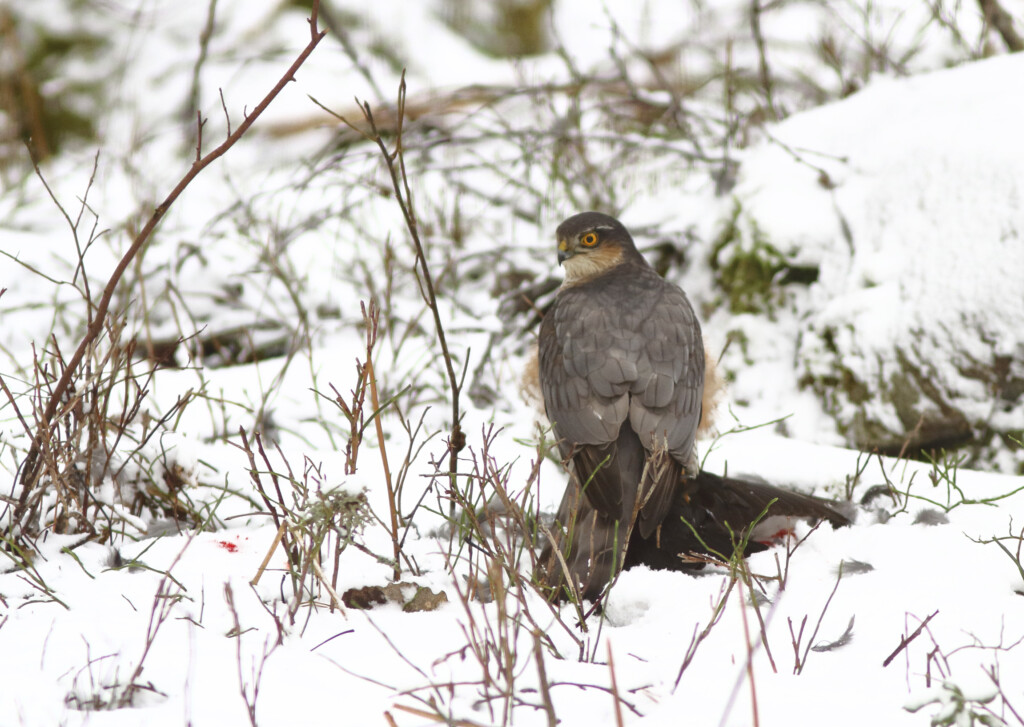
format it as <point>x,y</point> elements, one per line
<point>31,470</point>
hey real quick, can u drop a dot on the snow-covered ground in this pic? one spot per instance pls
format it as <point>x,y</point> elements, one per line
<point>284,236</point>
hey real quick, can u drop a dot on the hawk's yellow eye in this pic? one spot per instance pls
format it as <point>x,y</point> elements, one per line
<point>589,239</point>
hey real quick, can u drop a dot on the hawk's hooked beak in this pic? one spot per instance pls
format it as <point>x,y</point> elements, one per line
<point>563,251</point>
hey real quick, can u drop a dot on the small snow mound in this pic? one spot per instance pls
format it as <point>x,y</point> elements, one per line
<point>906,198</point>
<point>641,593</point>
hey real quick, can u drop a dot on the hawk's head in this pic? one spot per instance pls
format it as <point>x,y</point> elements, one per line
<point>591,243</point>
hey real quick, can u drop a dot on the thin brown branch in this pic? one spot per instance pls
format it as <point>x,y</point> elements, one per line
<point>270,554</point>
<point>392,504</point>
<point>798,667</point>
<point>697,639</point>
<point>764,70</point>
<point>403,194</point>
<point>615,687</point>
<point>30,473</point>
<point>14,402</point>
<point>436,717</point>
<point>905,641</point>
<point>750,653</point>
<point>545,691</point>
<point>996,15</point>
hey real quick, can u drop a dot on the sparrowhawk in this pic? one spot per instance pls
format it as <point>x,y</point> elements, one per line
<point>622,373</point>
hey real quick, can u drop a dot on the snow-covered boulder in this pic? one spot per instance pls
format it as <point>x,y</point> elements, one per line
<point>907,199</point>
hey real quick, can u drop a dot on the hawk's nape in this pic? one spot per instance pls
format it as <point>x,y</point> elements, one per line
<point>621,365</point>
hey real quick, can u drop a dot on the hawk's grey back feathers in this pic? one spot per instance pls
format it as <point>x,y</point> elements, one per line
<point>621,359</point>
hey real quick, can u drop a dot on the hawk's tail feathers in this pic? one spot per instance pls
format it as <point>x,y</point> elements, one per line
<point>709,515</point>
<point>712,514</point>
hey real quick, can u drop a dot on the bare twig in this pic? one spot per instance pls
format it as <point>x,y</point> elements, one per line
<point>335,598</point>
<point>750,653</point>
<point>1002,21</point>
<point>800,660</point>
<point>249,691</point>
<point>905,640</point>
<point>762,55</point>
<point>270,553</point>
<point>545,691</point>
<point>615,687</point>
<point>436,717</point>
<point>164,601</point>
<point>31,471</point>
<point>697,639</point>
<point>204,48</point>
<point>372,319</point>
<point>403,195</point>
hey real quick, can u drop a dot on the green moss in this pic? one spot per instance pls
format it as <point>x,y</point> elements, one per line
<point>747,266</point>
<point>47,109</point>
<point>512,28</point>
<point>855,389</point>
<point>905,398</point>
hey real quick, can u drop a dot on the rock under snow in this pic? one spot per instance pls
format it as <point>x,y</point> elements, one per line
<point>906,198</point>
